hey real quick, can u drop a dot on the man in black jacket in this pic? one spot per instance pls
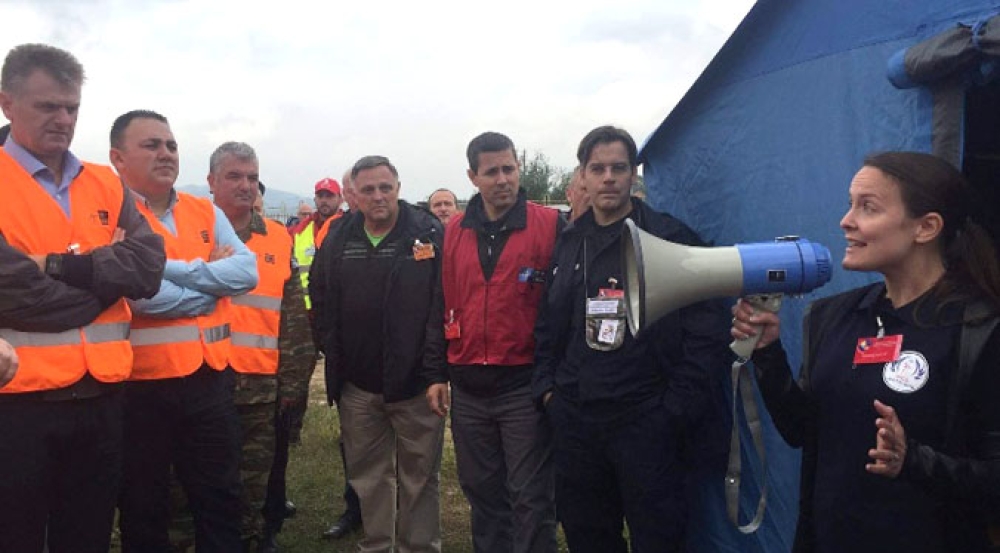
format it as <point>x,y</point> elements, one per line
<point>619,406</point>
<point>376,292</point>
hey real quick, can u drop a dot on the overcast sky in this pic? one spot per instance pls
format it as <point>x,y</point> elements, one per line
<point>313,85</point>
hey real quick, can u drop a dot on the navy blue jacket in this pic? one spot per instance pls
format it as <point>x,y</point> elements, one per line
<point>674,360</point>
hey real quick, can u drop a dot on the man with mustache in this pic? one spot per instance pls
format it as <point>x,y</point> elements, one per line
<point>272,350</point>
<point>179,409</point>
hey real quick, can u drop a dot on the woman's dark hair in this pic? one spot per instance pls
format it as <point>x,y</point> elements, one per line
<point>929,184</point>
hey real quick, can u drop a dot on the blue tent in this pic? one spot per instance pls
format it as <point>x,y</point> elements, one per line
<point>766,141</point>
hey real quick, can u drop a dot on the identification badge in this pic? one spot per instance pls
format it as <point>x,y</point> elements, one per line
<point>531,275</point>
<point>422,251</point>
<point>611,293</point>
<point>602,307</point>
<point>608,331</point>
<point>605,323</point>
<point>878,350</point>
<point>452,330</point>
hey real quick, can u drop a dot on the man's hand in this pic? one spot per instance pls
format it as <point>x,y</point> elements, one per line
<point>39,260</point>
<point>8,362</point>
<point>438,398</point>
<point>221,252</point>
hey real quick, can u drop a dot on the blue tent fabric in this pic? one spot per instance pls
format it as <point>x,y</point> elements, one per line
<point>764,144</point>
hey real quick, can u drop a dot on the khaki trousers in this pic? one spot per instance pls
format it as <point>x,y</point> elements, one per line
<point>394,458</point>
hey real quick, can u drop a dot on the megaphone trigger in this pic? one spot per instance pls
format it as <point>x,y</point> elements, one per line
<point>744,348</point>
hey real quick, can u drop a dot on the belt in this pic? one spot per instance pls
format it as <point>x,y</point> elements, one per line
<point>85,388</point>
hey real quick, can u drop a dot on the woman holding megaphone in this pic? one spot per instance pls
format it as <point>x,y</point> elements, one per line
<point>897,405</point>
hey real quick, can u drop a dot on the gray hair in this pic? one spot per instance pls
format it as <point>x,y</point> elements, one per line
<point>239,150</point>
<point>371,162</point>
<point>25,59</point>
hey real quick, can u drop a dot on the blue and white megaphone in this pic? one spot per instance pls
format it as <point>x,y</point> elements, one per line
<point>661,276</point>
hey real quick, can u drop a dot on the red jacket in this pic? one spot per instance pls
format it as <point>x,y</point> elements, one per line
<point>497,317</point>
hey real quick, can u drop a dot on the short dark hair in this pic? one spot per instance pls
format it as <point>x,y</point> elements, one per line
<point>122,122</point>
<point>25,59</point>
<point>371,162</point>
<point>261,187</point>
<point>607,134</point>
<point>489,141</point>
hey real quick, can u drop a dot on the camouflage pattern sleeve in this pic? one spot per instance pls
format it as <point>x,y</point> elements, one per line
<point>297,354</point>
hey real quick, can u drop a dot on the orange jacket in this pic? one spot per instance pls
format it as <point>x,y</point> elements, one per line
<point>168,348</point>
<point>256,315</point>
<point>32,222</point>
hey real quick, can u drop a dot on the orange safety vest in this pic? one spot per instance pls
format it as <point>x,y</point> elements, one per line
<point>256,315</point>
<point>33,222</point>
<point>168,348</point>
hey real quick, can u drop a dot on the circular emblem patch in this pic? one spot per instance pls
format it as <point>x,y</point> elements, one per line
<point>907,374</point>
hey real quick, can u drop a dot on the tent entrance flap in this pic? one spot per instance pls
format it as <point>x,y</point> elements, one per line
<point>981,153</point>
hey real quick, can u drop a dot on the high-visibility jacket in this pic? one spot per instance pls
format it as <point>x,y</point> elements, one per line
<point>167,348</point>
<point>256,315</point>
<point>33,222</point>
<point>307,241</point>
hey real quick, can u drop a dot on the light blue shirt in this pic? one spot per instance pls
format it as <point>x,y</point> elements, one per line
<point>192,288</point>
<point>59,191</point>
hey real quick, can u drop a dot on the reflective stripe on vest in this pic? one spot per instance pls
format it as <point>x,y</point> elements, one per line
<point>33,223</point>
<point>258,302</point>
<point>93,334</point>
<point>258,341</point>
<point>177,334</point>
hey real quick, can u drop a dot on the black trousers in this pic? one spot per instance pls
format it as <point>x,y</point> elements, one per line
<point>192,424</point>
<point>606,471</point>
<point>60,467</point>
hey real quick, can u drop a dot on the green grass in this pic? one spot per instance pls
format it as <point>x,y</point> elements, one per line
<point>316,483</point>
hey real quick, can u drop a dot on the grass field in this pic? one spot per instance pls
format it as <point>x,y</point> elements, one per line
<point>316,483</point>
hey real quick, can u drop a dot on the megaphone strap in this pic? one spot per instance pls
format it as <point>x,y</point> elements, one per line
<point>742,385</point>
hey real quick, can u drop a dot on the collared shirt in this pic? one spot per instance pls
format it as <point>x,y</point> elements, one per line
<point>59,191</point>
<point>191,288</point>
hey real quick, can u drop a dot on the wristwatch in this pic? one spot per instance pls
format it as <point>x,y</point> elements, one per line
<point>54,265</point>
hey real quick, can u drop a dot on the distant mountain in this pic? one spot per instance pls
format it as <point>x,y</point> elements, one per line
<point>277,203</point>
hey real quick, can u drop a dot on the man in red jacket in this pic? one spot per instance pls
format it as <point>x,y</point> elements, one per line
<point>496,256</point>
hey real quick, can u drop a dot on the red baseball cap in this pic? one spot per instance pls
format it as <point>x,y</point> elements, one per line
<point>329,185</point>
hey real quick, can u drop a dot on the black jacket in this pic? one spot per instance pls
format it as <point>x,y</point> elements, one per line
<point>413,337</point>
<point>674,360</point>
<point>961,476</point>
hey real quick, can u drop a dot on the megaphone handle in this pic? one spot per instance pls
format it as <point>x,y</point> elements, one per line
<point>770,302</point>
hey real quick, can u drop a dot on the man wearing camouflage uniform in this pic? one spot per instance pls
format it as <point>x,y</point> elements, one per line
<point>272,349</point>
